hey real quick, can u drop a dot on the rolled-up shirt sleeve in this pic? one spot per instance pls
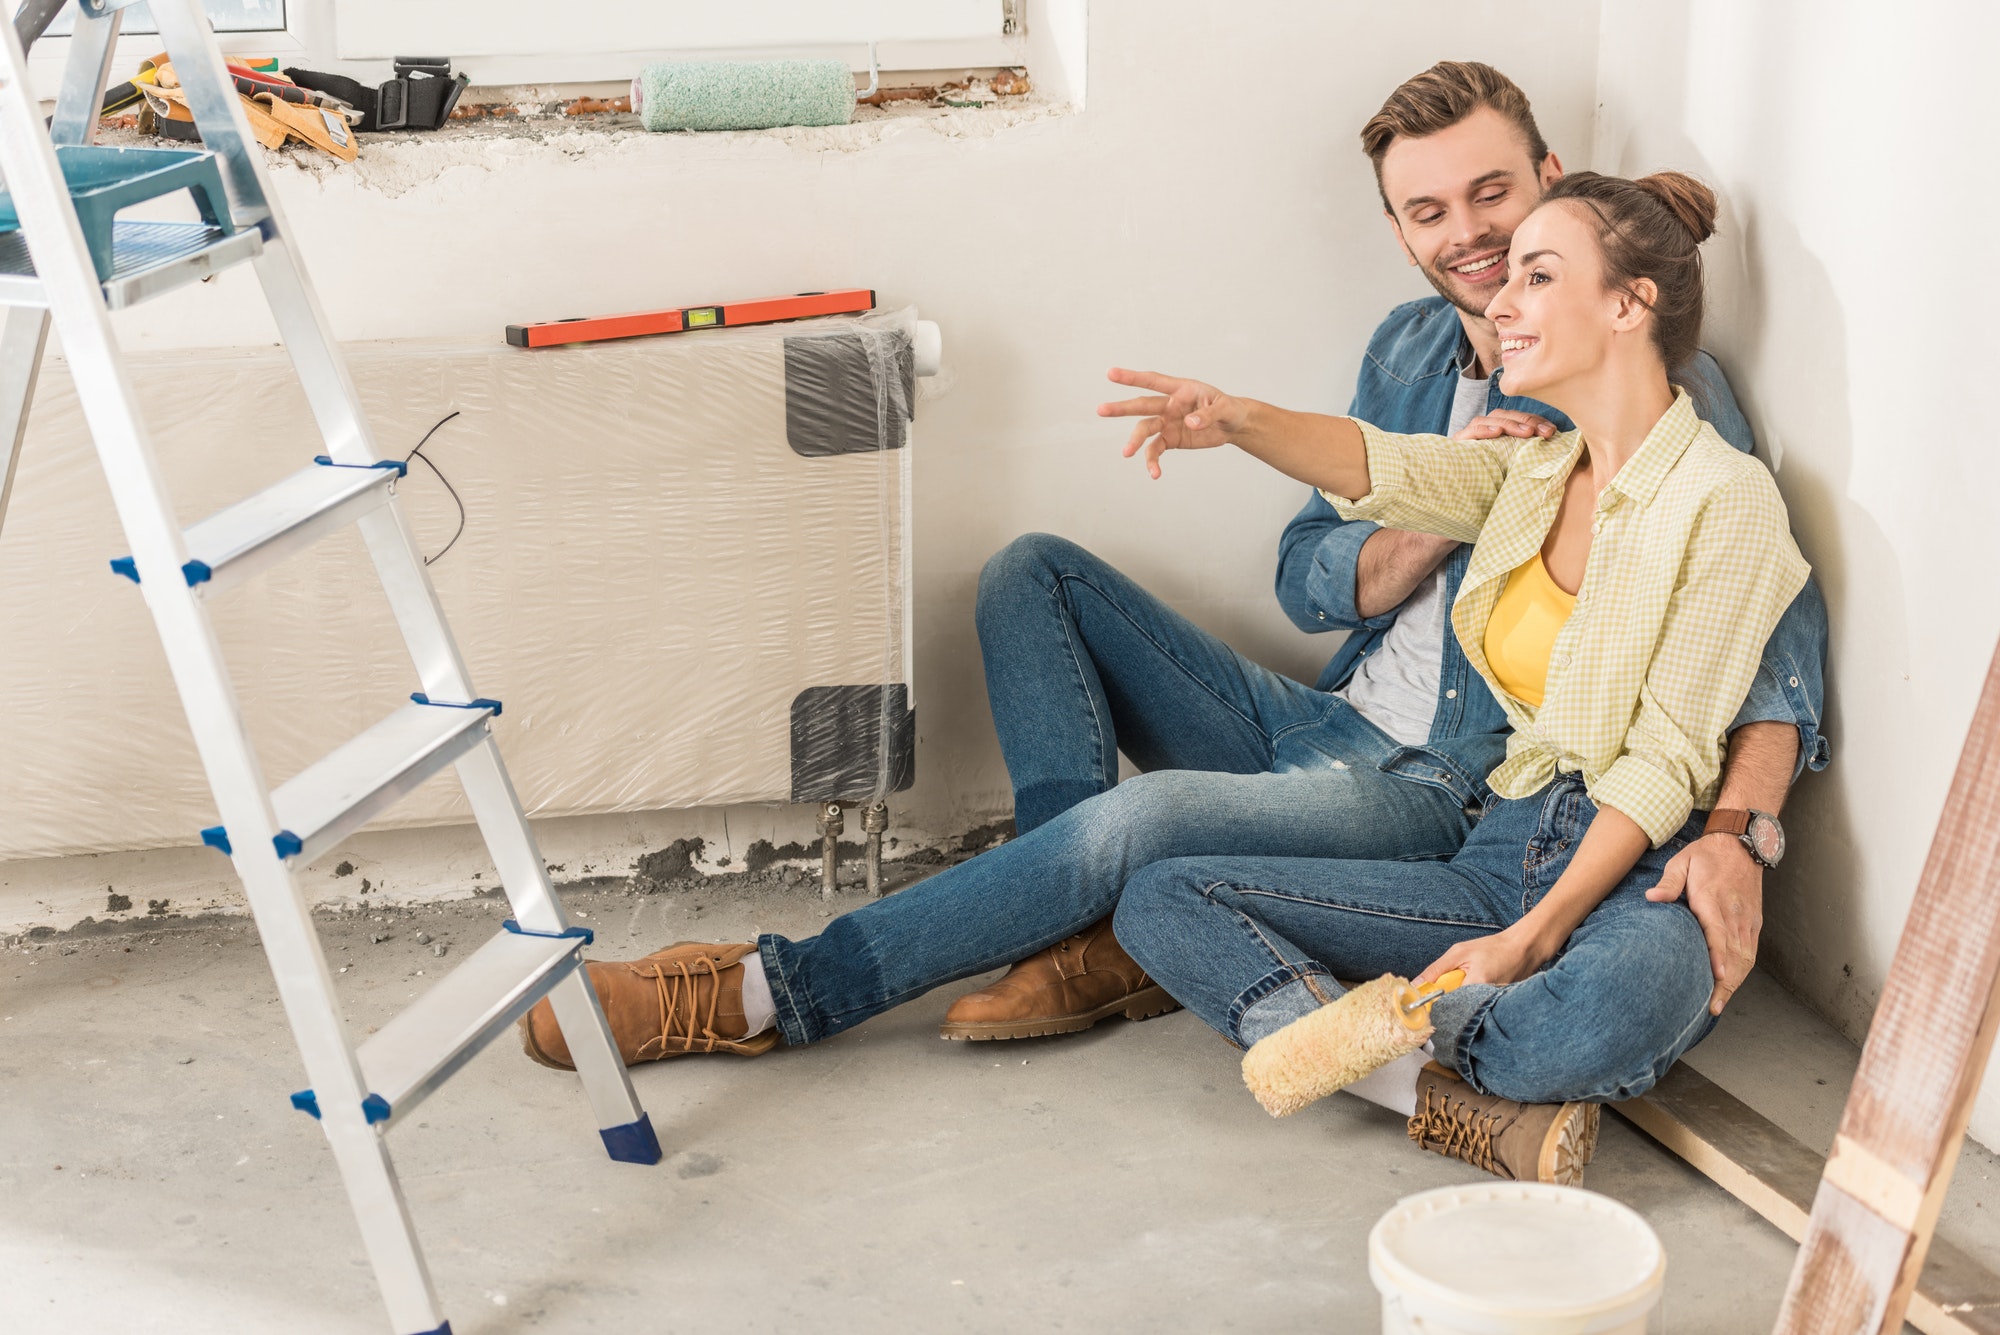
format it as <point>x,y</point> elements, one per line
<point>1790,686</point>
<point>1429,484</point>
<point>1739,572</point>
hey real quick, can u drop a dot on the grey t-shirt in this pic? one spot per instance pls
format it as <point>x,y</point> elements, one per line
<point>1396,686</point>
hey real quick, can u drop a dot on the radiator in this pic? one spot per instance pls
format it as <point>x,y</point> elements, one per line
<point>684,569</point>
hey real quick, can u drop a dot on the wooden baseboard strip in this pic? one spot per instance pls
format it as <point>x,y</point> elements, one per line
<point>1774,1174</point>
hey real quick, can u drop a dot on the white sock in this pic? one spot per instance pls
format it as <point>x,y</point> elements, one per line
<point>760,1011</point>
<point>1394,1086</point>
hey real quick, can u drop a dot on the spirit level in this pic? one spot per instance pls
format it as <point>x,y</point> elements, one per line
<point>768,310</point>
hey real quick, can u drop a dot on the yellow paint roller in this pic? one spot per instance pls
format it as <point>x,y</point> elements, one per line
<point>1363,1031</point>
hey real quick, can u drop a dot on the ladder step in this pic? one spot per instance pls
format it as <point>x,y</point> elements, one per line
<point>359,780</point>
<point>262,530</point>
<point>147,259</point>
<point>442,1030</point>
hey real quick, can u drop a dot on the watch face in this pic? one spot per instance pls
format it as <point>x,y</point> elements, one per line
<point>1767,837</point>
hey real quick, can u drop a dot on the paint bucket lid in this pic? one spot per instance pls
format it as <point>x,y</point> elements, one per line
<point>1507,1258</point>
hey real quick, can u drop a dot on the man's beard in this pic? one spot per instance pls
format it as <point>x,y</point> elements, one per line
<point>1447,283</point>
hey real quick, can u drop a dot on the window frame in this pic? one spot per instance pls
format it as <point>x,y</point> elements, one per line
<point>310,40</point>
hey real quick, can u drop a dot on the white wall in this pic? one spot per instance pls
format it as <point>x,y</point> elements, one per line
<point>1209,212</point>
<point>1852,144</point>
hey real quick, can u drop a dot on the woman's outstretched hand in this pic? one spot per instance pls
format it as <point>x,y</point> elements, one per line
<point>1505,957</point>
<point>1178,415</point>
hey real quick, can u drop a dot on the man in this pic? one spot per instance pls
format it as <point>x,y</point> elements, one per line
<point>1384,758</point>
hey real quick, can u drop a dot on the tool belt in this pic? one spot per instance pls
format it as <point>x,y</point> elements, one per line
<point>420,97</point>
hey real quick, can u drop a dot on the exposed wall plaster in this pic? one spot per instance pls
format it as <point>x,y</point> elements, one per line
<point>394,164</point>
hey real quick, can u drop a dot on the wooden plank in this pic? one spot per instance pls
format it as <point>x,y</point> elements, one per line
<point>1744,1153</point>
<point>1772,1172</point>
<point>1872,1217</point>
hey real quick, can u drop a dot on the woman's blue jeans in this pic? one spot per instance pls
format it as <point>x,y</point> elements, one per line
<point>1081,663</point>
<point>1251,944</point>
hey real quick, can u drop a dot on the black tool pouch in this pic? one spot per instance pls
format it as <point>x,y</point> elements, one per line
<point>420,97</point>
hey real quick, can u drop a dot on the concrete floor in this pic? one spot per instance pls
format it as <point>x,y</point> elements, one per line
<point>153,1177</point>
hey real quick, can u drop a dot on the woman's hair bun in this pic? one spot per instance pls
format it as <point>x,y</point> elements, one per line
<point>1691,202</point>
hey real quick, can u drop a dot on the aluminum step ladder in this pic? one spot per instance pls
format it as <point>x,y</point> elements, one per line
<point>59,187</point>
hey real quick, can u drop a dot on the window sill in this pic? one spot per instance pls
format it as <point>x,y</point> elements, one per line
<point>398,162</point>
<point>524,124</point>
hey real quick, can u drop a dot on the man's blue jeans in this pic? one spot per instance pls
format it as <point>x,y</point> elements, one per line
<point>1251,944</point>
<point>1082,663</point>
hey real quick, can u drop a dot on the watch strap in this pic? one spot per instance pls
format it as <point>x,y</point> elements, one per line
<point>1725,821</point>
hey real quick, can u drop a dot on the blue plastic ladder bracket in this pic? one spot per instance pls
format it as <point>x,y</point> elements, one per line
<point>195,572</point>
<point>633,1142</point>
<point>287,844</point>
<point>217,837</point>
<point>375,1108</point>
<point>583,934</point>
<point>402,469</point>
<point>481,703</point>
<point>445,1329</point>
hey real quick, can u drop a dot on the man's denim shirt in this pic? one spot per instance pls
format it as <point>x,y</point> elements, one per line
<point>1406,385</point>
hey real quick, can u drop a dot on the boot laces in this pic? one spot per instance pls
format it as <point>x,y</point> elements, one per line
<point>1456,1129</point>
<point>680,990</point>
<point>1079,946</point>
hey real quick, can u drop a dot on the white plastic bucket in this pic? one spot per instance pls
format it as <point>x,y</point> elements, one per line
<point>1515,1258</point>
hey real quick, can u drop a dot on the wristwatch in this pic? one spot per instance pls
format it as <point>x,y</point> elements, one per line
<point>1759,832</point>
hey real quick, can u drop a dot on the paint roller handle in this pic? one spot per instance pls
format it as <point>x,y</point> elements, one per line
<point>1413,1001</point>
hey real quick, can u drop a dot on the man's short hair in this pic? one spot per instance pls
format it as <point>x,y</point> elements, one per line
<point>1440,98</point>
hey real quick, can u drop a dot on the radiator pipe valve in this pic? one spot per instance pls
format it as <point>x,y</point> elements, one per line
<point>832,820</point>
<point>874,820</point>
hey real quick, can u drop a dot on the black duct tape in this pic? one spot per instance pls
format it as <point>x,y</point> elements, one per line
<point>852,743</point>
<point>849,393</point>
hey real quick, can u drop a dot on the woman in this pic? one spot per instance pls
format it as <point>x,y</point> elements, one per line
<point>1625,576</point>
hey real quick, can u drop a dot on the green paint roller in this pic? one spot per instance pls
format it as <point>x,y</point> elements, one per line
<point>747,94</point>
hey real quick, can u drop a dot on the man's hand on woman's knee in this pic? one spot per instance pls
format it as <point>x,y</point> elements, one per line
<point>1725,890</point>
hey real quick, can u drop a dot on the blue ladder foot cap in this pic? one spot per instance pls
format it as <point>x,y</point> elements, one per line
<point>445,1329</point>
<point>633,1142</point>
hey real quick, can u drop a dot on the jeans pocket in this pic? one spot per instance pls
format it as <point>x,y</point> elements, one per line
<point>1565,815</point>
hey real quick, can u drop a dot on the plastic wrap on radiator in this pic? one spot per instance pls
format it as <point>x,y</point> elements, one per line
<point>684,567</point>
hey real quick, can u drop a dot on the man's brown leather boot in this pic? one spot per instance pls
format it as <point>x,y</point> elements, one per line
<point>1525,1142</point>
<point>686,998</point>
<point>1066,988</point>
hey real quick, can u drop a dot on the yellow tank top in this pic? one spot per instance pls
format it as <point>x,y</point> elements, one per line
<point>1522,632</point>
